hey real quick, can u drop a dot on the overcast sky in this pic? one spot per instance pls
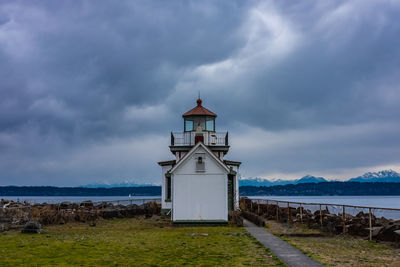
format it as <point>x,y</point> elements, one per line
<point>90,90</point>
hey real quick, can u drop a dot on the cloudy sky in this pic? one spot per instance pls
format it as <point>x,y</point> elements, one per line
<point>90,90</point>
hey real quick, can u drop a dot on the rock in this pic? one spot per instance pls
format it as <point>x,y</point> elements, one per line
<point>375,231</point>
<point>32,228</point>
<point>254,218</point>
<point>87,204</point>
<point>65,205</point>
<point>388,233</point>
<point>5,220</point>
<point>235,218</point>
<point>382,221</point>
<point>4,202</point>
<point>3,227</point>
<point>330,226</point>
<point>193,234</point>
<point>361,215</point>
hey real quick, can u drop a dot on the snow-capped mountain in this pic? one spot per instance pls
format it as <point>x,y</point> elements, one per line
<point>386,176</point>
<point>266,182</point>
<point>310,179</point>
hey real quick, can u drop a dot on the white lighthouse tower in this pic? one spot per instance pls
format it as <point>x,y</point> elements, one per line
<point>199,185</point>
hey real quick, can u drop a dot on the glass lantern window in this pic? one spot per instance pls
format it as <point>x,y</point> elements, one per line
<point>210,125</point>
<point>188,126</point>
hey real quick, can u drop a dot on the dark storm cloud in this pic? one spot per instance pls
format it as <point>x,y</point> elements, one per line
<point>341,71</point>
<point>93,60</point>
<point>90,90</point>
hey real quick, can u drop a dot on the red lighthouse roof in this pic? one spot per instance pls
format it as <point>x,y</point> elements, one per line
<point>199,110</point>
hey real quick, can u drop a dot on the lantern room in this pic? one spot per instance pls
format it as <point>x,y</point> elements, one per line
<point>199,126</point>
<point>199,119</point>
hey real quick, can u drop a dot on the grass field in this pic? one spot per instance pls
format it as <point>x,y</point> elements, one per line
<point>133,242</point>
<point>337,251</point>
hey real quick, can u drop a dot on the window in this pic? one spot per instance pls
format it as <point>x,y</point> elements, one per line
<point>200,165</point>
<point>210,125</point>
<point>213,139</point>
<point>188,126</point>
<point>168,188</point>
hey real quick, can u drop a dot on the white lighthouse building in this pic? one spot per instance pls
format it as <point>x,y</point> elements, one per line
<point>199,185</point>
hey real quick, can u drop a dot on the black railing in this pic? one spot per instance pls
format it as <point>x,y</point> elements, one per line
<point>209,138</point>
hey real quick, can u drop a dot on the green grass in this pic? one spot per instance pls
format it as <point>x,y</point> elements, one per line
<point>337,250</point>
<point>133,242</point>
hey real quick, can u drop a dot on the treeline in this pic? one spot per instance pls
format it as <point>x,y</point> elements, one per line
<point>306,189</point>
<point>324,189</point>
<point>78,191</point>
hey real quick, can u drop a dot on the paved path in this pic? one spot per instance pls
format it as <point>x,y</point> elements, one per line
<point>288,254</point>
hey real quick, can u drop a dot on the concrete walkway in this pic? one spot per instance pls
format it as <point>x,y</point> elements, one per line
<point>285,252</point>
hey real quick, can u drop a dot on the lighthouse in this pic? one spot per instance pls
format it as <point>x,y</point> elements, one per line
<point>199,185</point>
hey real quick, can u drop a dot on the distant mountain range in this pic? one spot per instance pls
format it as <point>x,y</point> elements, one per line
<point>266,182</point>
<point>386,176</point>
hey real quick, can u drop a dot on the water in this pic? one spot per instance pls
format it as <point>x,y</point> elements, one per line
<point>365,201</point>
<point>59,199</point>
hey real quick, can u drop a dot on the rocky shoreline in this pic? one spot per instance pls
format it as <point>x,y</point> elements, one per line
<point>383,229</point>
<point>14,215</point>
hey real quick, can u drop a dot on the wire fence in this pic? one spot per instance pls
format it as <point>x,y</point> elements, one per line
<point>14,214</point>
<point>371,222</point>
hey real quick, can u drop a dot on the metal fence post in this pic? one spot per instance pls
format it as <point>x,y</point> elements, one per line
<point>251,206</point>
<point>370,225</point>
<point>267,208</point>
<point>301,213</point>
<point>277,211</point>
<point>29,213</point>
<point>320,214</point>
<point>258,207</point>
<point>344,220</point>
<point>288,212</point>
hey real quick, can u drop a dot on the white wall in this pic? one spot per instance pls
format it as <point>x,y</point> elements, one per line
<point>200,195</point>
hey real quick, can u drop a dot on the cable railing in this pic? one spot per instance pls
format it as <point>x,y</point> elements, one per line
<point>372,222</point>
<point>208,138</point>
